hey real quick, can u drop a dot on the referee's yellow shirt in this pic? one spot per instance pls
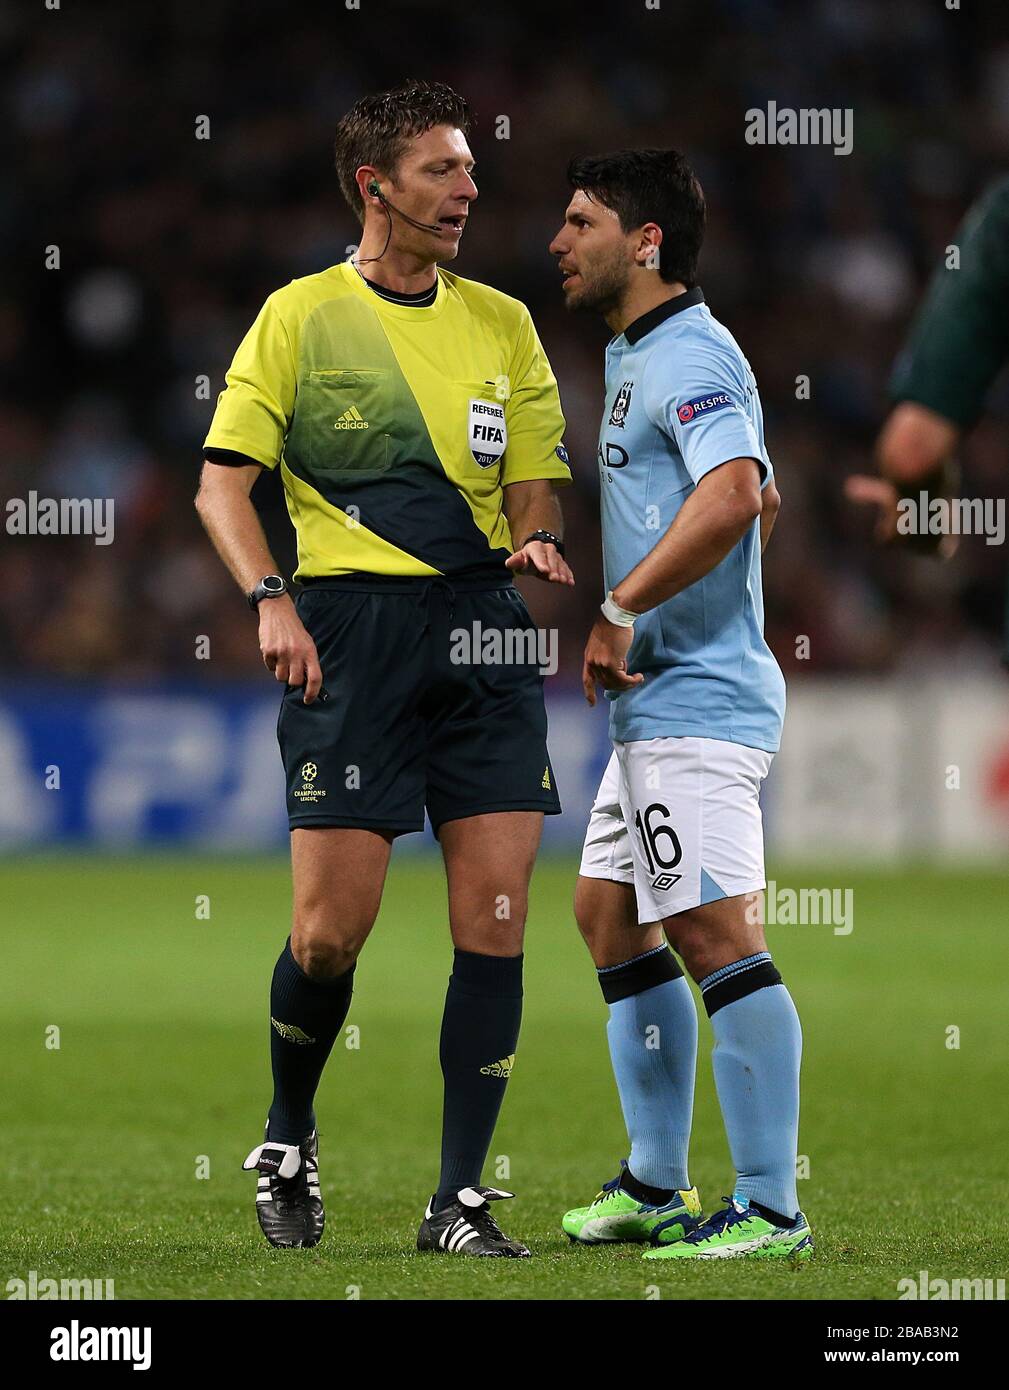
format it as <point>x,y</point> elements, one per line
<point>395,426</point>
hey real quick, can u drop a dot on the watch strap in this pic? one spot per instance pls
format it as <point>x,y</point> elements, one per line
<point>547,538</point>
<point>267,590</point>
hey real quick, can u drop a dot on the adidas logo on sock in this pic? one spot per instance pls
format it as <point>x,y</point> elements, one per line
<point>290,1033</point>
<point>502,1068</point>
<point>351,419</point>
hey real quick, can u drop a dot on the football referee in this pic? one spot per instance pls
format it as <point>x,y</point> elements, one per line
<point>417,427</point>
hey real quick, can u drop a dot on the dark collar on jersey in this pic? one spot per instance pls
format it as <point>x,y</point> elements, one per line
<point>635,331</point>
<point>421,298</point>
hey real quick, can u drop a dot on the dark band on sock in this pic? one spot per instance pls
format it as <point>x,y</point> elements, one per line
<point>776,1218</point>
<point>641,1192</point>
<point>295,974</point>
<point>642,972</point>
<point>492,976</point>
<point>738,983</point>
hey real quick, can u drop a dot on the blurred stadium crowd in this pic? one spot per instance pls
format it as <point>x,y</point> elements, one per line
<point>169,244</point>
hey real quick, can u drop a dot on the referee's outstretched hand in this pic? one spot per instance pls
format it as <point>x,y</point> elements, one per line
<point>543,560</point>
<point>288,650</point>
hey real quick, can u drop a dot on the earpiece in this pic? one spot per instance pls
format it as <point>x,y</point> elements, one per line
<point>373,189</point>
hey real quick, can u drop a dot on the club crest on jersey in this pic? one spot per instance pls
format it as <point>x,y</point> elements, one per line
<point>703,405</point>
<point>488,433</point>
<point>621,405</point>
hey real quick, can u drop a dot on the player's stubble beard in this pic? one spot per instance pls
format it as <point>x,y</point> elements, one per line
<point>603,286</point>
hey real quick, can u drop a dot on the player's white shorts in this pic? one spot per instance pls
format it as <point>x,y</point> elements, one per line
<point>680,819</point>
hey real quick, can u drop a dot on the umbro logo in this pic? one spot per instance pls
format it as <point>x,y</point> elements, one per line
<point>351,419</point>
<point>502,1068</point>
<point>665,881</point>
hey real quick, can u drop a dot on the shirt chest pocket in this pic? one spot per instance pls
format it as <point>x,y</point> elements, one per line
<point>345,417</point>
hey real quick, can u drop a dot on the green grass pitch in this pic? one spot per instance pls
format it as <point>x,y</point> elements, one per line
<point>163,1066</point>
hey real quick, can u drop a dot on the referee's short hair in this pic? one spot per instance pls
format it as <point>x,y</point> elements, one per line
<point>377,129</point>
<point>650,186</point>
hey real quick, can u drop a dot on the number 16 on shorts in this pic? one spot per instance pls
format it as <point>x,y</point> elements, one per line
<point>679,818</point>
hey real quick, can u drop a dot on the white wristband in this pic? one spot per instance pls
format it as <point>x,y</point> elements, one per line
<point>613,613</point>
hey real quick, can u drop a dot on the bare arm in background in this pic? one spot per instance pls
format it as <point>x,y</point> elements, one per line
<point>913,446</point>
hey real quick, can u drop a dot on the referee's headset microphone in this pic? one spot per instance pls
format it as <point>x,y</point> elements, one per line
<point>375,192</point>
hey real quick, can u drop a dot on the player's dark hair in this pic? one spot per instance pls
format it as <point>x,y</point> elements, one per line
<point>650,186</point>
<point>377,129</point>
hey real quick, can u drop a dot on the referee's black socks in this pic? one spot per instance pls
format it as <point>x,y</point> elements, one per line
<point>305,1017</point>
<point>479,1034</point>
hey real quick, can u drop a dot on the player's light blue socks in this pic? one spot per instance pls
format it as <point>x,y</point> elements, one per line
<point>758,1048</point>
<point>652,1034</point>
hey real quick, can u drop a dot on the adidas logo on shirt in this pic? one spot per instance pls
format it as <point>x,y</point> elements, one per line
<point>351,419</point>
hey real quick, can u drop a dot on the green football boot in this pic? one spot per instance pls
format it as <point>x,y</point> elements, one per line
<point>616,1216</point>
<point>735,1233</point>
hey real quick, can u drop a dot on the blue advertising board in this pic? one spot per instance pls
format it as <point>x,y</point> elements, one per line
<point>120,767</point>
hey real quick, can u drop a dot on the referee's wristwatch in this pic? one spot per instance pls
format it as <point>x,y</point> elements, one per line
<point>270,586</point>
<point>548,538</point>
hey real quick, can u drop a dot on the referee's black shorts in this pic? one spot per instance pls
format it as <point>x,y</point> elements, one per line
<point>424,708</point>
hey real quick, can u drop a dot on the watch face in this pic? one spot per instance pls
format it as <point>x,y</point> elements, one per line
<point>273,584</point>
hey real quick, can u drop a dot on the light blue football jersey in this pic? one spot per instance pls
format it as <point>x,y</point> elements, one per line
<point>680,400</point>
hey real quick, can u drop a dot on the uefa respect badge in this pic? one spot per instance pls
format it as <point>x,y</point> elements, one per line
<point>703,405</point>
